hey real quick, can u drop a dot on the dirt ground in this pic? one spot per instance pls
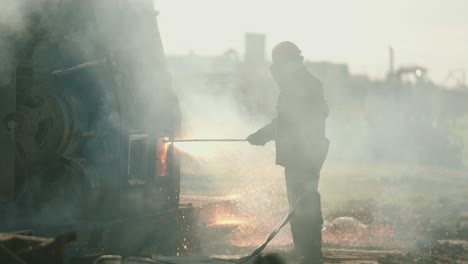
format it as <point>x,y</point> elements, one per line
<point>441,252</point>
<point>391,257</point>
<point>374,213</point>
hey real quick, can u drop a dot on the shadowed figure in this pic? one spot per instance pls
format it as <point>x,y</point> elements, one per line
<point>301,145</point>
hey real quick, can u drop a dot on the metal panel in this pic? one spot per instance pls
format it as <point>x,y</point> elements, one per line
<point>7,145</point>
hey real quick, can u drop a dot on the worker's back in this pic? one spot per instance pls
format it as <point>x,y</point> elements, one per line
<point>302,111</point>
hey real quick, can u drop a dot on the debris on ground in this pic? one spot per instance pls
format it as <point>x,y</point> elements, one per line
<point>26,249</point>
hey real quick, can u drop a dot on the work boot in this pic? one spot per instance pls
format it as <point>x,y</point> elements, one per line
<point>311,260</point>
<point>312,257</point>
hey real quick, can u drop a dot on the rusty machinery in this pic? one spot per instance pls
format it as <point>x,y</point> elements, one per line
<point>85,104</point>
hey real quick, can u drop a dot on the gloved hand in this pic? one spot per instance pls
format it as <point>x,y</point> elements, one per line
<point>256,139</point>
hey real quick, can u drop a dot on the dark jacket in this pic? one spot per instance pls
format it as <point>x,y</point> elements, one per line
<point>299,127</point>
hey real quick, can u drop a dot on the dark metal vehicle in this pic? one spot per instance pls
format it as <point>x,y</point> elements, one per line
<point>85,104</point>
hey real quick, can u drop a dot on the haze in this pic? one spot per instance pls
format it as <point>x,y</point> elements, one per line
<point>431,33</point>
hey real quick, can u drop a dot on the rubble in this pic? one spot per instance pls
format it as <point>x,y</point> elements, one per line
<point>24,249</point>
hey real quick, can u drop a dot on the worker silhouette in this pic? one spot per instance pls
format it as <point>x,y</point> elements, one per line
<point>301,145</point>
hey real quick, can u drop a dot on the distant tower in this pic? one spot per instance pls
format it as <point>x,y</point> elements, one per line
<point>254,49</point>
<point>391,58</point>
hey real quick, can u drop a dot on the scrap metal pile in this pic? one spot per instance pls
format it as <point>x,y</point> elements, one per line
<point>24,249</point>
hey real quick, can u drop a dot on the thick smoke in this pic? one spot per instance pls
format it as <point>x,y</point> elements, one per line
<point>11,22</point>
<point>378,170</point>
<point>63,34</point>
<point>377,174</point>
<point>233,170</point>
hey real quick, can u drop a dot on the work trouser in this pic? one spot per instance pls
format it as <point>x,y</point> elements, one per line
<point>306,224</point>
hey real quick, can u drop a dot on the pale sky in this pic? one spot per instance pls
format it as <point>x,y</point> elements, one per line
<point>431,33</point>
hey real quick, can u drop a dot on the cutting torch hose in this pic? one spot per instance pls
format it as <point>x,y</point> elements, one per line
<point>205,140</point>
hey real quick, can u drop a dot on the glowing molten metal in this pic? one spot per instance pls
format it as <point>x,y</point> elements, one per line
<point>161,156</point>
